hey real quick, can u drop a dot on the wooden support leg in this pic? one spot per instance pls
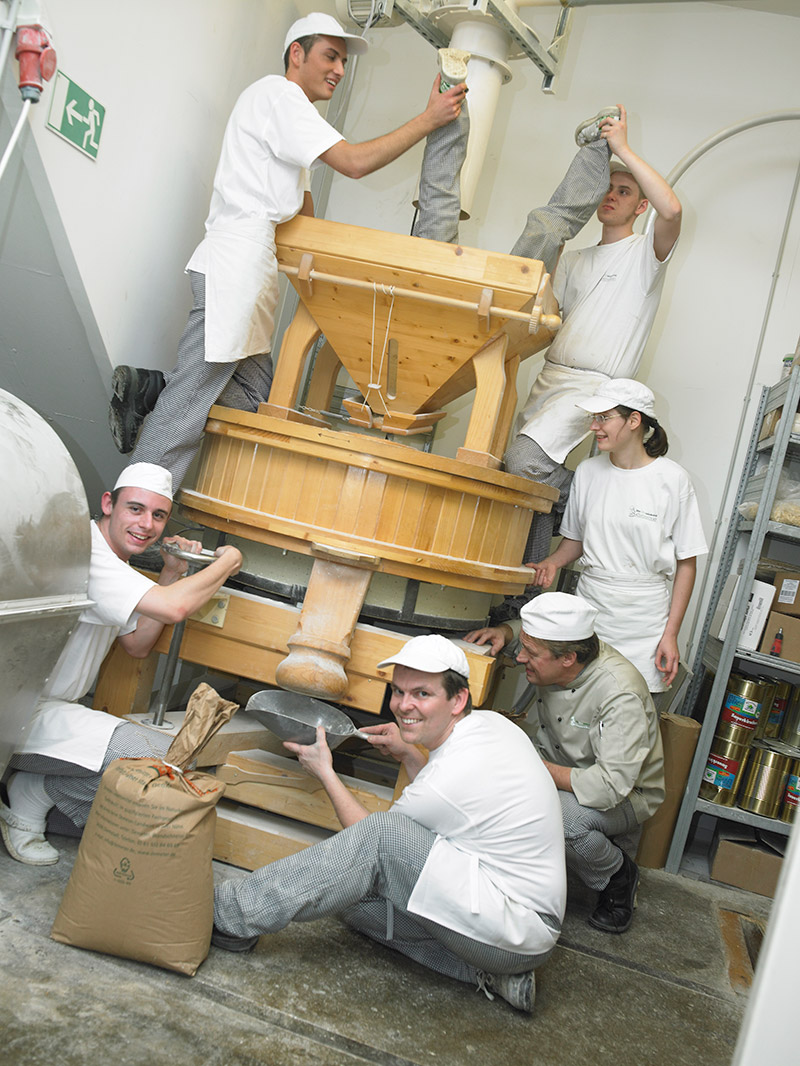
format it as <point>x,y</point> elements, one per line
<point>297,341</point>
<point>507,408</point>
<point>323,379</point>
<point>125,684</point>
<point>490,380</point>
<point>321,646</point>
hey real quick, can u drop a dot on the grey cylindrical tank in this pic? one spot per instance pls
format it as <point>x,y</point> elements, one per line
<point>45,544</point>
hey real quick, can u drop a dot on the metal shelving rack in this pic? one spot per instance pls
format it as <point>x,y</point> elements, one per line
<point>717,656</point>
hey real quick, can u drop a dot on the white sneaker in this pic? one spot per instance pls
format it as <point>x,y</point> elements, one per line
<point>518,989</point>
<point>23,843</point>
<point>589,129</point>
<point>22,823</point>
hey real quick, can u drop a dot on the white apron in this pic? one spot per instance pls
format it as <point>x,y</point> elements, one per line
<point>550,416</point>
<point>241,272</point>
<point>633,611</point>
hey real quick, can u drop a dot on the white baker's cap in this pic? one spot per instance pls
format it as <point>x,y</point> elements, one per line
<point>623,391</point>
<point>433,654</point>
<point>146,476</point>
<point>318,22</point>
<point>557,616</point>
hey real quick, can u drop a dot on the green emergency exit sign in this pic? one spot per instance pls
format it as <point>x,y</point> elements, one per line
<point>76,116</point>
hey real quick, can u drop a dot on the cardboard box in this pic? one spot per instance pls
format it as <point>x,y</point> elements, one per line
<point>679,736</point>
<point>747,858</point>
<point>787,593</point>
<point>755,618</point>
<point>791,636</point>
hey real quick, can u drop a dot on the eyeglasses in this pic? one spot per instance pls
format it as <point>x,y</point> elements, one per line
<point>602,419</point>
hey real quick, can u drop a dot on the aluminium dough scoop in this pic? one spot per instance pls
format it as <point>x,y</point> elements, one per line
<point>292,716</point>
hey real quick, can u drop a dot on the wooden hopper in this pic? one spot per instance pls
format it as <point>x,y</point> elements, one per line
<point>416,323</point>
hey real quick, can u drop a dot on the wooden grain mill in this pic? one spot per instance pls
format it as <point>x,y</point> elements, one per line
<point>416,324</point>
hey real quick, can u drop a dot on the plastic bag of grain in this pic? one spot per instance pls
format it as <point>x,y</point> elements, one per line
<point>142,886</point>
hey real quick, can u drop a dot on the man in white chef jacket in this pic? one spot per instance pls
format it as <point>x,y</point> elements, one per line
<point>274,137</point>
<point>68,746</point>
<point>465,873</point>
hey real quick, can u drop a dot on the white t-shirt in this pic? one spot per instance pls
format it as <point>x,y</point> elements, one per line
<point>633,523</point>
<point>273,136</point>
<point>498,860</point>
<point>60,727</point>
<point>609,295</point>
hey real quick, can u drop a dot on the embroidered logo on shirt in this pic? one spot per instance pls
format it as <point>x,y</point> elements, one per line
<point>579,725</point>
<point>648,516</point>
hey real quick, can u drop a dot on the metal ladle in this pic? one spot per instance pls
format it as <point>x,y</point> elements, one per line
<point>196,561</point>
<point>292,716</point>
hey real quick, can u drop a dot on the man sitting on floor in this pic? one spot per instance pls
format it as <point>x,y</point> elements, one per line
<point>465,874</point>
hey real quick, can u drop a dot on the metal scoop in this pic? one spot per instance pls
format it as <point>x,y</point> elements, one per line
<point>292,716</point>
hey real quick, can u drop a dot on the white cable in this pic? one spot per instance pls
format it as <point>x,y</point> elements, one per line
<point>14,136</point>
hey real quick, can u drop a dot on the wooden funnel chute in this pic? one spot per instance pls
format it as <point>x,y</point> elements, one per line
<point>407,318</point>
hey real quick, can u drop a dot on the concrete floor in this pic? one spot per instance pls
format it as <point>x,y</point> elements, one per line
<point>670,991</point>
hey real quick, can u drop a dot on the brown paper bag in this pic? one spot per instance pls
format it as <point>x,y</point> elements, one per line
<point>142,885</point>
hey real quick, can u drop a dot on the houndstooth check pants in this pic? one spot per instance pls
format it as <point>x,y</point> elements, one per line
<point>173,430</point>
<point>364,875</point>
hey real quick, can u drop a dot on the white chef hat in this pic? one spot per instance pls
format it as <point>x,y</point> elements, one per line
<point>319,22</point>
<point>557,616</point>
<point>146,476</point>
<point>623,392</point>
<point>433,654</point>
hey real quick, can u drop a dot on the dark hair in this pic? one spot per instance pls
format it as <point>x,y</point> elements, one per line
<point>656,444</point>
<point>306,43</point>
<point>452,683</point>
<point>585,650</point>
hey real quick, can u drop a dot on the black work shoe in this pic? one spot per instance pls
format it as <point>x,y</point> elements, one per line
<point>614,911</point>
<point>229,942</point>
<point>134,392</point>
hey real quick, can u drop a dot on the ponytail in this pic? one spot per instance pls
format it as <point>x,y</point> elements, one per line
<point>655,436</point>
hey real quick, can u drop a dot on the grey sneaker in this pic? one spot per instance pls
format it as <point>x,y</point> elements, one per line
<point>134,392</point>
<point>589,129</point>
<point>518,989</point>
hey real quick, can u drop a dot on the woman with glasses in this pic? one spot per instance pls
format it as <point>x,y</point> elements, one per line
<point>633,521</point>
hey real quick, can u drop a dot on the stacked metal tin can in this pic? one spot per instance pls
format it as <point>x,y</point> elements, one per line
<point>754,759</point>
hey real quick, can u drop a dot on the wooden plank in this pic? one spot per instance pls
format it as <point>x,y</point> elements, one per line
<point>354,244</point>
<point>249,838</point>
<point>297,340</point>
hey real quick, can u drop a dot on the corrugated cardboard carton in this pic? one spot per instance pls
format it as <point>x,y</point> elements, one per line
<point>787,593</point>
<point>679,736</point>
<point>790,650</point>
<point>747,858</point>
